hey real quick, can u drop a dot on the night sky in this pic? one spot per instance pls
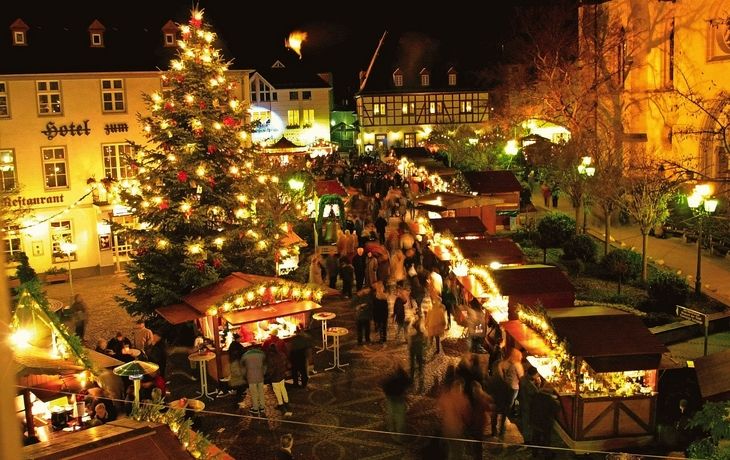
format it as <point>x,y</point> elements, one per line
<point>342,36</point>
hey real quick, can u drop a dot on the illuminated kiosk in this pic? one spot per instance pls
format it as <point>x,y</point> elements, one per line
<point>250,305</point>
<point>603,363</point>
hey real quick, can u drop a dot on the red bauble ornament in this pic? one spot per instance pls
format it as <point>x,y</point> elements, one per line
<point>228,121</point>
<point>217,263</point>
<point>211,181</point>
<point>169,106</point>
<point>212,148</point>
<point>141,251</point>
<point>200,266</point>
<point>182,176</point>
<point>198,132</point>
<point>164,205</point>
<point>202,105</point>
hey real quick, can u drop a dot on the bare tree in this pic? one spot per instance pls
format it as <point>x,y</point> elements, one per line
<point>648,191</point>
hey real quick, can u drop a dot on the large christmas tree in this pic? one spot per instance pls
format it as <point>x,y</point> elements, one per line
<point>208,202</point>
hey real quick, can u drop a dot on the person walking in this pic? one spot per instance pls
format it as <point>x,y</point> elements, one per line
<point>79,312</point>
<point>371,269</point>
<point>394,387</point>
<point>481,404</point>
<point>347,273</point>
<point>555,192</point>
<point>529,384</point>
<point>237,380</point>
<point>436,322</point>
<point>399,313</point>
<point>381,223</point>
<point>454,410</point>
<point>157,352</point>
<point>301,346</point>
<point>512,371</point>
<point>380,310</point>
<point>363,304</point>
<point>254,368</point>
<point>359,263</point>
<point>415,351</point>
<point>501,393</point>
<point>332,264</point>
<point>545,190</point>
<point>317,270</point>
<point>277,367</point>
<point>542,417</point>
<point>397,268</point>
<point>286,442</point>
<point>142,336</point>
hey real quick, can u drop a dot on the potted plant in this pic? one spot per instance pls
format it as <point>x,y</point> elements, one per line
<point>56,275</point>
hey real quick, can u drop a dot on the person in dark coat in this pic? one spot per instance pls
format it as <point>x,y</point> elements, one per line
<point>380,225</point>
<point>415,351</point>
<point>347,273</point>
<point>332,265</point>
<point>157,352</point>
<point>543,412</point>
<point>363,304</point>
<point>529,386</point>
<point>359,263</point>
<point>300,347</point>
<point>380,310</point>
<point>501,393</point>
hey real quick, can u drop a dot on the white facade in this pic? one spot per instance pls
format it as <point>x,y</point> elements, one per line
<point>59,131</point>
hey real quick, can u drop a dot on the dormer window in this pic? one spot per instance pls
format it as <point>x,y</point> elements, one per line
<point>96,34</point>
<point>169,32</point>
<point>452,77</point>
<point>19,30</point>
<point>425,77</point>
<point>398,78</point>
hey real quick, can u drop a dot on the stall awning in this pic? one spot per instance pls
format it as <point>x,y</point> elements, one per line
<point>484,251</point>
<point>460,227</point>
<point>270,311</point>
<point>179,313</point>
<point>527,338</point>
<point>532,280</point>
<point>713,374</point>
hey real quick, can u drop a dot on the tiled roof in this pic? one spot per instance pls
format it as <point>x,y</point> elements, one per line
<point>291,75</point>
<point>484,251</point>
<point>532,279</point>
<point>489,182</point>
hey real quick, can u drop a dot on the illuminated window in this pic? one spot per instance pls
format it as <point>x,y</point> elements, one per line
<point>49,97</point>
<point>404,108</point>
<point>379,109</point>
<point>18,38</point>
<point>409,140</point>
<point>8,180</point>
<point>13,244</point>
<point>61,232</point>
<point>452,79</point>
<point>169,39</point>
<point>112,95</point>
<point>96,40</point>
<point>115,161</point>
<point>465,107</point>
<point>4,111</point>
<point>292,119</point>
<point>293,95</point>
<point>55,167</point>
<point>434,107</point>
<point>307,118</point>
<point>398,80</point>
<point>425,79</point>
<point>306,95</point>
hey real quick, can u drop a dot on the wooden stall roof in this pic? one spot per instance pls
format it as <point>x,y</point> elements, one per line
<point>460,227</point>
<point>201,299</point>
<point>442,201</point>
<point>610,343</point>
<point>121,439</point>
<point>270,311</point>
<point>491,182</point>
<point>484,251</point>
<point>329,187</point>
<point>179,313</point>
<point>713,374</point>
<point>531,279</point>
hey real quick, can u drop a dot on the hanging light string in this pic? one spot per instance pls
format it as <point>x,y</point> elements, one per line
<point>34,223</point>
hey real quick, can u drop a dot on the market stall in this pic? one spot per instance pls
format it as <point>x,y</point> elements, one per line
<point>603,363</point>
<point>249,305</point>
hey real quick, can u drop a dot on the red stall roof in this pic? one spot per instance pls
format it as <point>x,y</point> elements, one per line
<point>531,279</point>
<point>484,251</point>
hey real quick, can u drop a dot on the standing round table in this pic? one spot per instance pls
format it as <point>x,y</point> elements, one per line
<point>336,333</point>
<point>324,316</point>
<point>202,360</point>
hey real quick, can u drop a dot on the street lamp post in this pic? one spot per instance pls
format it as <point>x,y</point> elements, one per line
<point>701,205</point>
<point>511,149</point>
<point>69,248</point>
<point>586,170</point>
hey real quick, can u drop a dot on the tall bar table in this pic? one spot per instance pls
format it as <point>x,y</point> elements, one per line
<point>336,333</point>
<point>202,363</point>
<point>324,316</point>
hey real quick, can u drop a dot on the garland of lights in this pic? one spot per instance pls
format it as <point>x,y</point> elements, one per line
<point>539,321</point>
<point>266,293</point>
<point>34,223</point>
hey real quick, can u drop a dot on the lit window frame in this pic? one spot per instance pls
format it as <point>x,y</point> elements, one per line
<point>115,161</point>
<point>55,161</point>
<point>4,100</point>
<point>13,246</point>
<point>8,170</point>
<point>61,231</point>
<point>48,98</point>
<point>113,99</point>
<point>379,109</point>
<point>306,95</point>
